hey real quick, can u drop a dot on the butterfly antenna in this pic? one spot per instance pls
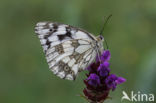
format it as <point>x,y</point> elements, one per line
<point>101,32</point>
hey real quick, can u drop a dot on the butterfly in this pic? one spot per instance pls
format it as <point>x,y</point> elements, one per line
<point>68,50</point>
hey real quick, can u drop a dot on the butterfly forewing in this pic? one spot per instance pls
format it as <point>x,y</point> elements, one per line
<point>68,49</point>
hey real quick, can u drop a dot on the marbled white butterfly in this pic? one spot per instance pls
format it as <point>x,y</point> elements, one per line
<point>68,49</point>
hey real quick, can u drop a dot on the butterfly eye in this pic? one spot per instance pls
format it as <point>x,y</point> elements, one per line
<point>101,37</point>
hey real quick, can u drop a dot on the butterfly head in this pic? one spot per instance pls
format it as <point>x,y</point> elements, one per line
<point>100,40</point>
<point>101,37</point>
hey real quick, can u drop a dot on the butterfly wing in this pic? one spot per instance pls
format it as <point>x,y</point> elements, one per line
<point>68,49</point>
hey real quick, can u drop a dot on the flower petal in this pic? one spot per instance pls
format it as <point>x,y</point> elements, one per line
<point>93,80</point>
<point>106,55</point>
<point>120,80</point>
<point>103,69</point>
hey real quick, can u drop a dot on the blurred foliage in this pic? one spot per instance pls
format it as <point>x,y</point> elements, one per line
<point>24,73</point>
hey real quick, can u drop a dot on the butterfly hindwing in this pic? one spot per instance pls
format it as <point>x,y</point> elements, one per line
<point>68,49</point>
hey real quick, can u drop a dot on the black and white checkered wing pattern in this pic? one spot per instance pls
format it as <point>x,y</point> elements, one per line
<point>68,49</point>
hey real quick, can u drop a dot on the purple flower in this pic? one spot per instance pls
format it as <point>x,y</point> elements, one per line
<point>99,81</point>
<point>103,69</point>
<point>105,55</point>
<point>93,80</point>
<point>112,81</point>
<point>120,80</point>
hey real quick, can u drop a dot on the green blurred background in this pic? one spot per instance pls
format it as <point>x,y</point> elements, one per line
<point>24,73</point>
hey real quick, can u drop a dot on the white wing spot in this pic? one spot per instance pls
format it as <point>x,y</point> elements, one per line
<point>75,68</point>
<point>52,56</point>
<point>55,69</point>
<point>87,53</point>
<point>66,59</point>
<point>53,38</point>
<point>80,35</point>
<point>59,33</point>
<point>61,74</point>
<point>88,58</point>
<point>62,56</point>
<point>51,64</point>
<point>69,77</point>
<point>41,36</point>
<point>43,41</point>
<point>51,25</point>
<point>71,62</point>
<point>61,28</point>
<point>50,50</point>
<point>69,49</point>
<point>84,65</point>
<point>43,31</point>
<point>82,48</point>
<point>81,62</point>
<point>39,27</point>
<point>93,56</point>
<point>83,42</point>
<point>66,45</point>
<point>45,47</point>
<point>55,43</point>
<point>41,23</point>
